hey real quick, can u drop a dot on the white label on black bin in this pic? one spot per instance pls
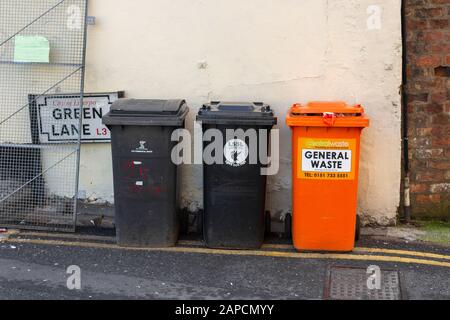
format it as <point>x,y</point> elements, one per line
<point>142,148</point>
<point>140,183</point>
<point>236,152</point>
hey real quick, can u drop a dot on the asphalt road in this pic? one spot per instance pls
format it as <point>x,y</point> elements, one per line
<point>30,270</point>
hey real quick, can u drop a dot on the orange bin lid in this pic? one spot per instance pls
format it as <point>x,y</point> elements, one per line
<point>326,114</point>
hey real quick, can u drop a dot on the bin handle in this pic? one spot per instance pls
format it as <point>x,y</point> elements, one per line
<point>329,118</point>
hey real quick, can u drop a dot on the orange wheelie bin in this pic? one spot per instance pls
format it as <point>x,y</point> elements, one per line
<point>325,152</point>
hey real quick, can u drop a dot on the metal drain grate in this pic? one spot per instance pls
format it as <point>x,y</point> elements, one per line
<point>347,283</point>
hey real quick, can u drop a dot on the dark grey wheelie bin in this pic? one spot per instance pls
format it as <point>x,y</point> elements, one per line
<point>234,193</point>
<point>145,178</point>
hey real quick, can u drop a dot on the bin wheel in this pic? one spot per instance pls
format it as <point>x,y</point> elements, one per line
<point>358,228</point>
<point>268,222</point>
<point>288,226</point>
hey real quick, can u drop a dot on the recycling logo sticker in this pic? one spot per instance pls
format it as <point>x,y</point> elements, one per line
<point>236,152</point>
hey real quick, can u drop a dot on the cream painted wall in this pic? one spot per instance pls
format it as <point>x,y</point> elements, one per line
<point>278,52</point>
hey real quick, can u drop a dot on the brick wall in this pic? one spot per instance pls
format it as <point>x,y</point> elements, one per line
<point>428,105</point>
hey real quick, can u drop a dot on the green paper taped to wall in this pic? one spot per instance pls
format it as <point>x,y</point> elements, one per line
<point>31,49</point>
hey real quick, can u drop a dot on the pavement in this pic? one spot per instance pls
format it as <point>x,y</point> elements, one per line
<point>33,265</point>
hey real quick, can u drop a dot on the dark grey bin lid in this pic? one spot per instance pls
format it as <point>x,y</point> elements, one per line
<point>146,112</point>
<point>237,113</point>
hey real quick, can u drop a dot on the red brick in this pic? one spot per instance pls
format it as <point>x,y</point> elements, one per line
<point>426,176</point>
<point>429,61</point>
<point>439,48</point>
<point>440,119</point>
<point>418,188</point>
<point>441,165</point>
<point>416,24</point>
<point>432,36</point>
<point>432,198</point>
<point>424,131</point>
<point>439,1</point>
<point>429,12</point>
<point>434,108</point>
<point>439,97</point>
<point>440,142</point>
<point>427,85</point>
<point>439,23</point>
<point>438,131</point>
<point>421,97</point>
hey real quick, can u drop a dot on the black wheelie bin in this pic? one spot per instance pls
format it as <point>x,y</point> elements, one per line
<point>234,189</point>
<point>145,178</point>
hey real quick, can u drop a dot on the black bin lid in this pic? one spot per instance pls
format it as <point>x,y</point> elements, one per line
<point>147,112</point>
<point>237,113</point>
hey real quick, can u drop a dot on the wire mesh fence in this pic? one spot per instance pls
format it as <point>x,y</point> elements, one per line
<point>42,49</point>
